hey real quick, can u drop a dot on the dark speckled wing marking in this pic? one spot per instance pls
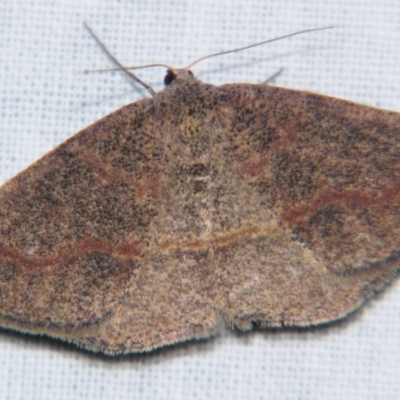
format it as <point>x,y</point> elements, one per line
<point>204,205</point>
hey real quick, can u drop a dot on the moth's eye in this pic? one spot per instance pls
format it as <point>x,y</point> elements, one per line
<point>169,78</point>
<point>190,73</point>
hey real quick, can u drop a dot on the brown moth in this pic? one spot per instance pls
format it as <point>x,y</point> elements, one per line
<point>203,206</point>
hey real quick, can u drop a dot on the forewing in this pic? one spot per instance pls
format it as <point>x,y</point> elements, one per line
<point>311,195</point>
<point>87,242</point>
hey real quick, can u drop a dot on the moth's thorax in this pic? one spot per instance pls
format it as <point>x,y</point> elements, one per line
<point>189,105</point>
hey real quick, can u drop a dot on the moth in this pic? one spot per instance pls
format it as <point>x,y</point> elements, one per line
<point>203,206</point>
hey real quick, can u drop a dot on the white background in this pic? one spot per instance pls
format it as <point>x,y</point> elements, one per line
<point>42,46</point>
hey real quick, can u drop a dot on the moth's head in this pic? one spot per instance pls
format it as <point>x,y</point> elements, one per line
<point>178,74</point>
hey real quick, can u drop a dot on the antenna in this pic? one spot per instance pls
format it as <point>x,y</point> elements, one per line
<point>120,67</point>
<point>116,62</point>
